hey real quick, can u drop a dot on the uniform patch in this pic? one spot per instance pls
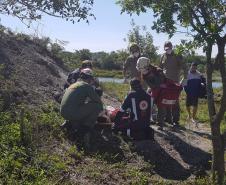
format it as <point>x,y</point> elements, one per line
<point>143,105</point>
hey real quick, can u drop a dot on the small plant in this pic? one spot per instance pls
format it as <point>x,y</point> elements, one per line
<point>139,178</point>
<point>74,153</point>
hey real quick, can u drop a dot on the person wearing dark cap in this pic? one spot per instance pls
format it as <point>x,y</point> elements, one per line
<point>172,66</point>
<point>192,89</point>
<point>129,67</point>
<point>138,102</point>
<point>80,104</point>
<point>74,76</point>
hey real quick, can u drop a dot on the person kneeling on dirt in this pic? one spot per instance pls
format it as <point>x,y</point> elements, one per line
<point>137,124</point>
<point>80,104</point>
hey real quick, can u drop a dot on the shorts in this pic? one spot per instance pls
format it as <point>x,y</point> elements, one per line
<point>192,101</point>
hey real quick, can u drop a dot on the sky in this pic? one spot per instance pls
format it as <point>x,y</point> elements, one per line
<point>106,33</point>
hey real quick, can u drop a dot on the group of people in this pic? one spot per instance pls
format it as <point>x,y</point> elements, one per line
<point>81,103</point>
<point>167,74</point>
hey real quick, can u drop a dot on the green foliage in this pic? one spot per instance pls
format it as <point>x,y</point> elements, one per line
<point>116,90</point>
<point>110,61</point>
<point>42,42</point>
<point>101,60</point>
<point>56,48</point>
<point>108,73</point>
<point>205,18</point>
<point>144,39</point>
<point>140,177</point>
<point>26,164</point>
<point>83,54</point>
<point>186,48</point>
<point>33,10</point>
<point>75,153</point>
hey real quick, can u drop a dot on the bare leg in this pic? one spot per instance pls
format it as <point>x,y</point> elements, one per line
<point>189,111</point>
<point>195,108</point>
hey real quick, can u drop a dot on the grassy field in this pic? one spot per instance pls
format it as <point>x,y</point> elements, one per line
<point>34,150</point>
<point>119,74</point>
<point>108,73</point>
<point>120,91</point>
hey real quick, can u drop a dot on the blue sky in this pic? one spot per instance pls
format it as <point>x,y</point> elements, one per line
<point>106,33</point>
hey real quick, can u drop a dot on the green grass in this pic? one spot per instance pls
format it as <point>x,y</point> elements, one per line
<point>116,90</point>
<point>23,157</point>
<point>36,161</point>
<point>108,73</point>
<point>120,91</point>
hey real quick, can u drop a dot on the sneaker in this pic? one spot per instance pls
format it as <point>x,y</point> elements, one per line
<point>193,120</point>
<point>65,124</point>
<point>176,123</point>
<point>160,128</point>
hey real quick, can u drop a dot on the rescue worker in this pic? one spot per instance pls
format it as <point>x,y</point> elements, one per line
<point>153,77</point>
<point>138,102</point>
<point>172,66</point>
<point>129,67</point>
<point>81,105</point>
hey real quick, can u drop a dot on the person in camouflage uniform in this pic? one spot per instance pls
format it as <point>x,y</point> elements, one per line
<point>129,67</point>
<point>80,104</point>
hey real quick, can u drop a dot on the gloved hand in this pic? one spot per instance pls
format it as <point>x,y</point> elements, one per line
<point>184,82</point>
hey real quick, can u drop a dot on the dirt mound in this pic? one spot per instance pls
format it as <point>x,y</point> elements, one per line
<point>31,74</point>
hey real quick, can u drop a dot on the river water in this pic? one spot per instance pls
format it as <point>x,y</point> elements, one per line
<point>120,80</point>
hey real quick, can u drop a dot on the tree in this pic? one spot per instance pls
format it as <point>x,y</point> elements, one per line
<point>145,41</point>
<point>205,21</point>
<point>83,54</point>
<point>32,10</point>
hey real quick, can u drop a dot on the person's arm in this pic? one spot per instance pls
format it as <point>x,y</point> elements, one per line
<point>93,95</point>
<point>184,68</point>
<point>125,67</point>
<point>126,104</point>
<point>96,82</point>
<point>161,62</point>
<point>69,78</point>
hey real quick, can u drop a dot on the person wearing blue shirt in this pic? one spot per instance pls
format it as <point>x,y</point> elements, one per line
<point>192,89</point>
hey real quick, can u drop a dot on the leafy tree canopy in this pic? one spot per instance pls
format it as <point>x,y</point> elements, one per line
<point>32,10</point>
<point>203,20</point>
<point>144,39</point>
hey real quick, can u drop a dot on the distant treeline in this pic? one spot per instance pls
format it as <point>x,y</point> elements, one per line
<point>113,60</point>
<point>101,60</point>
